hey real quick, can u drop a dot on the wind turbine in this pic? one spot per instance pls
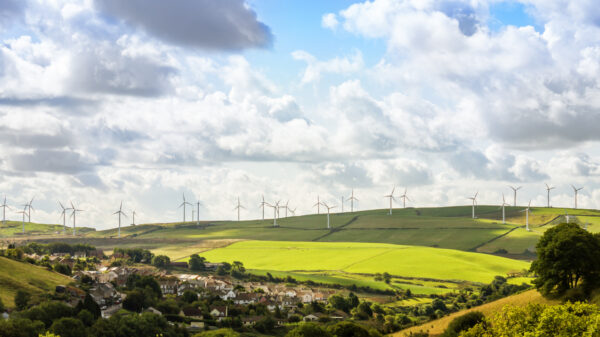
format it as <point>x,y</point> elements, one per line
<point>318,205</point>
<point>275,208</point>
<point>328,209</point>
<point>404,197</point>
<point>119,213</point>
<point>342,204</point>
<point>515,189</point>
<point>503,210</point>
<point>576,190</point>
<point>4,206</point>
<point>548,189</point>
<point>284,207</point>
<point>197,212</point>
<point>527,216</point>
<point>262,205</point>
<point>184,203</point>
<point>391,196</point>
<point>567,215</point>
<point>293,211</point>
<point>74,215</point>
<point>24,212</point>
<point>351,199</point>
<point>238,208</point>
<point>474,199</point>
<point>133,217</point>
<point>64,215</point>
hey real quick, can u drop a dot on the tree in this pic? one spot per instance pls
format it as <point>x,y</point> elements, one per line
<point>308,330</point>
<point>63,269</point>
<point>387,278</point>
<point>134,301</point>
<point>161,261</point>
<point>463,323</point>
<point>568,256</point>
<point>22,299</point>
<point>348,329</point>
<point>68,327</point>
<point>2,308</point>
<point>196,262</point>
<point>189,296</point>
<point>86,317</point>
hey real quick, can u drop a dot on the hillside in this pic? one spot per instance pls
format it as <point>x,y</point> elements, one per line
<point>36,280</point>
<point>15,229</point>
<point>438,326</point>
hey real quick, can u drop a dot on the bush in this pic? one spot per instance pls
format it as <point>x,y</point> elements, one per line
<point>63,269</point>
<point>463,323</point>
<point>308,330</point>
<point>161,261</point>
<point>68,327</point>
<point>22,299</point>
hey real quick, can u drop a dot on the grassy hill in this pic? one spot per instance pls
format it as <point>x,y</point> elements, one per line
<point>367,258</point>
<point>36,280</point>
<point>438,326</point>
<point>15,229</point>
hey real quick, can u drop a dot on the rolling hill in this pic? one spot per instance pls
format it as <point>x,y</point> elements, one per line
<point>36,280</point>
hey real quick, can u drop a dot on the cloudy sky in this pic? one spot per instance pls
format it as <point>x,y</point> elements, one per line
<point>143,100</point>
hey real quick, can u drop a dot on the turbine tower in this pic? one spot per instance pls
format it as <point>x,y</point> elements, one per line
<point>526,210</point>
<point>184,203</point>
<point>515,189</point>
<point>284,207</point>
<point>391,196</point>
<point>342,204</point>
<point>4,206</point>
<point>404,197</point>
<point>197,212</point>
<point>262,205</point>
<point>74,215</point>
<point>503,210</point>
<point>238,208</point>
<point>64,215</point>
<point>328,209</point>
<point>576,190</point>
<point>318,205</point>
<point>24,212</point>
<point>119,213</point>
<point>275,208</point>
<point>548,189</point>
<point>351,199</point>
<point>133,217</point>
<point>474,199</point>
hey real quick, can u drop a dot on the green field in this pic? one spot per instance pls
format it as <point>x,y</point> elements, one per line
<point>36,280</point>
<point>366,258</point>
<point>15,228</point>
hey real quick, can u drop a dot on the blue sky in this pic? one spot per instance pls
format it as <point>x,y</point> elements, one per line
<point>141,101</point>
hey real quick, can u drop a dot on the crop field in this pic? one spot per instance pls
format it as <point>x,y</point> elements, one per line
<point>366,258</point>
<point>16,276</point>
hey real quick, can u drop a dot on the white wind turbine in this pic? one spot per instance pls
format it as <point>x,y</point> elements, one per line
<point>28,207</point>
<point>119,213</point>
<point>262,205</point>
<point>527,216</point>
<point>4,206</point>
<point>64,216</point>
<point>342,204</point>
<point>238,207</point>
<point>293,211</point>
<point>576,190</point>
<point>24,212</point>
<point>328,209</point>
<point>503,210</point>
<point>391,196</point>
<point>197,212</point>
<point>133,217</point>
<point>404,197</point>
<point>474,199</point>
<point>275,208</point>
<point>184,203</point>
<point>74,215</point>
<point>318,205</point>
<point>351,199</point>
<point>284,207</point>
<point>548,189</point>
<point>515,189</point>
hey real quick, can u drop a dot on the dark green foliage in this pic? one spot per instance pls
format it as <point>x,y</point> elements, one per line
<point>265,325</point>
<point>91,306</point>
<point>48,312</point>
<point>2,308</point>
<point>568,256</point>
<point>168,307</point>
<point>308,330</point>
<point>22,299</point>
<point>135,301</point>
<point>86,317</point>
<point>189,296</point>
<point>144,325</point>
<point>196,262</point>
<point>63,269</point>
<point>137,255</point>
<point>21,327</point>
<point>68,327</point>
<point>161,261</point>
<point>348,329</point>
<point>463,323</point>
<point>143,282</point>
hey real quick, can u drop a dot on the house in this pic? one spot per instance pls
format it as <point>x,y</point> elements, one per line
<point>219,311</point>
<point>320,297</point>
<point>183,287</point>
<point>310,318</point>
<point>191,312</point>
<point>178,264</point>
<point>109,311</point>
<point>168,286</point>
<point>105,294</point>
<point>288,301</point>
<point>107,277</point>
<point>245,298</point>
<point>251,320</point>
<point>227,295</point>
<point>306,297</point>
<point>211,266</point>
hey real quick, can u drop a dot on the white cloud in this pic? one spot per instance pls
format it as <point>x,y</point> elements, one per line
<point>315,68</point>
<point>329,20</point>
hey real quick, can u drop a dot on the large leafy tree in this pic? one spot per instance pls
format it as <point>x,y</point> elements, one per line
<point>568,257</point>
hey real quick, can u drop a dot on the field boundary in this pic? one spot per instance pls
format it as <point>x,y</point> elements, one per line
<point>474,249</point>
<point>337,229</point>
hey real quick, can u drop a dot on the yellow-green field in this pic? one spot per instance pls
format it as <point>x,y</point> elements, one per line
<point>367,258</point>
<point>36,280</point>
<point>15,228</point>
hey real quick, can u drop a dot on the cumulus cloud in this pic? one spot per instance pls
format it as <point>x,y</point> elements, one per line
<point>57,161</point>
<point>315,68</point>
<point>209,24</point>
<point>329,20</point>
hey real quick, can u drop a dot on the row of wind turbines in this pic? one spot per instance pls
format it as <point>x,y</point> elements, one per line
<point>277,206</point>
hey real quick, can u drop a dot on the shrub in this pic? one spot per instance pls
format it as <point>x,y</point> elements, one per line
<point>463,323</point>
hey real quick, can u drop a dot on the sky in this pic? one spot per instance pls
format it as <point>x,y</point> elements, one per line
<point>142,101</point>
